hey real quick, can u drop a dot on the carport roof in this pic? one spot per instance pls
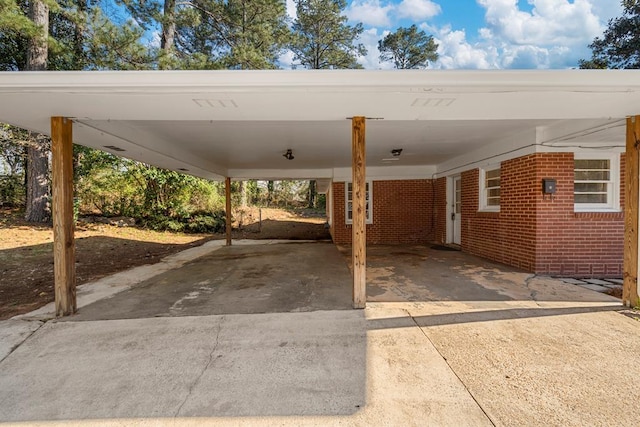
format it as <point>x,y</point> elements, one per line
<point>239,123</point>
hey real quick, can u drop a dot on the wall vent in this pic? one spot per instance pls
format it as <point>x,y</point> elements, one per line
<point>433,102</point>
<point>216,103</point>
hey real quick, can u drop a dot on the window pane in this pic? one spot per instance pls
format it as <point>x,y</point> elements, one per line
<point>492,174</point>
<point>593,175</point>
<point>591,198</point>
<point>492,187</point>
<point>495,182</point>
<point>590,187</point>
<point>592,164</point>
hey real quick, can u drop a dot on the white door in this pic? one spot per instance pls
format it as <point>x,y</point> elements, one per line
<point>456,210</point>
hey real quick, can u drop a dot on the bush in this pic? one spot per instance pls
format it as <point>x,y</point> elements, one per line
<point>11,191</point>
<point>199,222</point>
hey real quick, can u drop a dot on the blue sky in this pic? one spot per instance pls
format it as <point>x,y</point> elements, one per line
<point>487,34</point>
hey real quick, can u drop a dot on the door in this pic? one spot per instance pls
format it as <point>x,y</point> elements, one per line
<point>456,210</point>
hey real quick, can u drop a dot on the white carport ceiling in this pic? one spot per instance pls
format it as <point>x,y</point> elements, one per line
<point>239,123</point>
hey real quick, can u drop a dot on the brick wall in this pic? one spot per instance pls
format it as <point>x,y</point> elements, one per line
<point>402,213</point>
<point>532,231</point>
<point>576,243</point>
<point>440,214</point>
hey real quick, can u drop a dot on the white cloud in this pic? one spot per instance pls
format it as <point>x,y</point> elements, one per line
<point>607,9</point>
<point>371,61</point>
<point>554,34</point>
<point>285,60</point>
<point>551,22</point>
<point>548,34</point>
<point>456,52</point>
<point>418,9</point>
<point>370,12</point>
<point>291,9</point>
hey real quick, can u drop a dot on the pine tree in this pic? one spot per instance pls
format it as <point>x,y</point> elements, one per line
<point>321,37</point>
<point>408,48</point>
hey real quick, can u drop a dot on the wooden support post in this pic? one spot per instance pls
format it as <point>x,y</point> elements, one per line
<point>64,259</point>
<point>227,195</point>
<point>632,200</point>
<point>359,241</point>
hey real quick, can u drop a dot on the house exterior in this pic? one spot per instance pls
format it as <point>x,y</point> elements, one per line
<point>452,157</point>
<point>498,210</point>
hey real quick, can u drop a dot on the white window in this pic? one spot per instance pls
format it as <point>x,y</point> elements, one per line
<point>348,194</point>
<point>596,182</point>
<point>490,189</point>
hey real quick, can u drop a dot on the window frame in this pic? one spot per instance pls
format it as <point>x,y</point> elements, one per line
<point>483,206</point>
<point>613,185</point>
<point>369,198</point>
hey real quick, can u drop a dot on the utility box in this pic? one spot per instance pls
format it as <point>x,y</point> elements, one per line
<point>548,185</point>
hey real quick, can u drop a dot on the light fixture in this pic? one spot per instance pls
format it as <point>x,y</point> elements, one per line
<point>289,154</point>
<point>396,152</point>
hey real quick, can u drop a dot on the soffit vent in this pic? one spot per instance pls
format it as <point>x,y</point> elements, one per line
<point>433,102</point>
<point>215,103</point>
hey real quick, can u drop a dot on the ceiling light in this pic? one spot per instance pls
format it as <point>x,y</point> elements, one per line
<point>288,155</point>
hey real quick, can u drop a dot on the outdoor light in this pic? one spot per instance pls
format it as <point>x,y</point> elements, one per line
<point>288,155</point>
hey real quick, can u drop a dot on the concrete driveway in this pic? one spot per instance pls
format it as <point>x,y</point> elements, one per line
<point>521,350</point>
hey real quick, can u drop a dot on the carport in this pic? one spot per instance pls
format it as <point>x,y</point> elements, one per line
<point>229,125</point>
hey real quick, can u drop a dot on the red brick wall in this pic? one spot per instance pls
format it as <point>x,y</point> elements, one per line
<point>440,214</point>
<point>576,243</point>
<point>402,213</point>
<point>533,232</point>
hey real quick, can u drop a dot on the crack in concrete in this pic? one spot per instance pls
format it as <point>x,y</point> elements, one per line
<point>206,366</point>
<point>42,323</point>
<point>532,293</point>
<point>450,367</point>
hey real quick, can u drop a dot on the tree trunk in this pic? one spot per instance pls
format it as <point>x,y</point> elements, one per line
<point>243,194</point>
<point>38,180</point>
<point>37,50</point>
<point>269,192</point>
<point>168,30</point>
<point>37,175</point>
<point>313,194</point>
<point>78,37</point>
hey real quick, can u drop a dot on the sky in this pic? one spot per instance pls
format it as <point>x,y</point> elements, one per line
<point>486,34</point>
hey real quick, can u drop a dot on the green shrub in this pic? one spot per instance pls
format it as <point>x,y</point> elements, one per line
<point>199,222</point>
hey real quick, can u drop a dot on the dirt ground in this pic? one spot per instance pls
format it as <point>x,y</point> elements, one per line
<point>26,250</point>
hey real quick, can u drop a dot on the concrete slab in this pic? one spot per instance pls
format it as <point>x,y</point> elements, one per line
<point>468,343</point>
<point>616,281</point>
<point>245,278</point>
<point>561,364</point>
<point>14,332</point>
<point>413,273</point>
<point>596,288</point>
<point>111,285</point>
<point>372,367</point>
